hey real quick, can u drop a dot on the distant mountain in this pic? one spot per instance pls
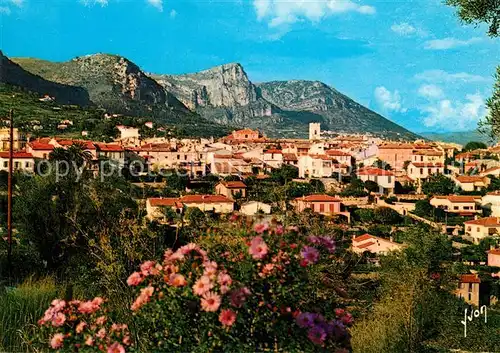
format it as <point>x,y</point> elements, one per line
<point>222,95</point>
<point>15,75</point>
<point>226,95</point>
<point>461,137</point>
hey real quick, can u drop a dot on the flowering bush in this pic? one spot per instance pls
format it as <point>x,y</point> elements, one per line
<point>260,294</point>
<point>261,287</point>
<point>82,326</point>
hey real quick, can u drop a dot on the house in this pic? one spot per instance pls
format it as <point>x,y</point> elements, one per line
<point>273,157</point>
<point>111,152</point>
<point>19,139</point>
<point>471,183</point>
<point>384,178</point>
<point>423,170</point>
<point>214,203</point>
<point>478,229</point>
<point>491,201</point>
<point>127,132</point>
<point>322,204</point>
<point>372,244</point>
<point>459,204</point>
<point>148,124</point>
<point>494,259</point>
<point>494,171</point>
<point>341,157</point>
<point>231,189</point>
<point>155,207</point>
<point>255,207</point>
<point>39,149</point>
<point>469,289</point>
<point>290,159</point>
<point>23,161</point>
<point>315,166</point>
<point>244,135</point>
<point>395,154</point>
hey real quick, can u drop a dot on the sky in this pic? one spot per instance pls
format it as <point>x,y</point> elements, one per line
<point>410,60</point>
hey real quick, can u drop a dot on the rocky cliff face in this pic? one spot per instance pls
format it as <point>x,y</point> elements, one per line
<point>111,81</point>
<point>222,86</point>
<point>15,75</point>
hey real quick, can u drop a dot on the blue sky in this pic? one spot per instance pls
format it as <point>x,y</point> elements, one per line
<point>412,61</point>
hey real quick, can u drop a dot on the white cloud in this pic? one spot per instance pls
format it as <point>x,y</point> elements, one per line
<point>462,115</point>
<point>156,3</point>
<point>403,29</point>
<point>449,43</point>
<point>94,2</point>
<point>281,12</point>
<point>443,76</point>
<point>430,91</point>
<point>389,101</point>
<point>18,3</point>
<point>4,10</point>
<point>173,13</point>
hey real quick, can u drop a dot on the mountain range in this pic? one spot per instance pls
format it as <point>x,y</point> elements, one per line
<point>222,96</point>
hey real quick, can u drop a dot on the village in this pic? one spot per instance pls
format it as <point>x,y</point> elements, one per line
<point>354,172</point>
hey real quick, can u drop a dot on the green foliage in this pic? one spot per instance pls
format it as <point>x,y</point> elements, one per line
<point>284,174</point>
<point>382,165</point>
<point>478,12</point>
<point>364,215</point>
<point>20,309</point>
<point>438,185</point>
<point>386,215</point>
<point>355,189</point>
<point>491,123</point>
<point>317,186</point>
<point>423,208</point>
<point>474,145</point>
<point>177,179</point>
<point>195,216</point>
<point>371,186</point>
<point>298,189</point>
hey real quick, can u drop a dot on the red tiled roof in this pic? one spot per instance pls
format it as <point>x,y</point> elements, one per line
<point>490,170</point>
<point>318,198</point>
<point>469,179</point>
<point>17,155</point>
<point>494,252</point>
<point>363,237</point>
<point>470,278</point>
<point>428,153</point>
<point>234,184</point>
<point>274,151</point>
<point>204,199</point>
<point>459,198</point>
<point>39,146</point>
<point>365,245</point>
<point>243,131</point>
<point>337,153</point>
<point>375,171</point>
<point>486,222</point>
<point>158,202</point>
<point>290,157</point>
<point>109,147</point>
<point>397,146</point>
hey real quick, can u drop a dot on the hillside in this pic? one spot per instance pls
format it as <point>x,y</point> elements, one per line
<point>461,137</point>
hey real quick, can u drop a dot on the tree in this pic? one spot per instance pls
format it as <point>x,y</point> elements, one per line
<point>195,216</point>
<point>284,174</point>
<point>382,165</point>
<point>177,179</point>
<point>355,189</point>
<point>371,186</point>
<point>317,185</point>
<point>492,120</point>
<point>479,11</point>
<point>295,189</point>
<point>386,215</point>
<point>438,185</point>
<point>475,145</point>
<point>364,215</point>
<point>423,208</point>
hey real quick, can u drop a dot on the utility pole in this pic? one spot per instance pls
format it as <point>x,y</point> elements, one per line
<point>9,191</point>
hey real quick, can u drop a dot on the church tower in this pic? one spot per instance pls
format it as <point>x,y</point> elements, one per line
<point>314,131</point>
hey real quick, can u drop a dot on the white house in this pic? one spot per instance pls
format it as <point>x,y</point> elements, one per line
<point>460,204</point>
<point>255,207</point>
<point>471,183</point>
<point>492,201</point>
<point>273,157</point>
<point>479,229</point>
<point>315,166</point>
<point>384,178</point>
<point>423,170</point>
<point>23,161</point>
<point>373,244</point>
<point>127,132</point>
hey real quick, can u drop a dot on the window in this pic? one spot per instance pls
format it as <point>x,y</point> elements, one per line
<point>246,136</point>
<point>421,158</point>
<point>45,156</point>
<point>27,164</point>
<point>421,171</point>
<point>455,207</point>
<point>332,208</point>
<point>389,179</point>
<point>430,171</point>
<point>478,229</point>
<point>5,164</point>
<point>185,157</point>
<point>178,156</point>
<point>321,207</point>
<point>17,165</point>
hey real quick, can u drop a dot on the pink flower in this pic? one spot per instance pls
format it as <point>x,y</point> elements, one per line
<point>261,227</point>
<point>258,248</point>
<point>57,341</point>
<point>186,249</point>
<point>224,279</point>
<point>126,340</point>
<point>310,254</point>
<point>279,230</point>
<point>239,296</point>
<point>101,320</point>
<point>59,320</point>
<point>224,289</point>
<point>97,301</point>
<point>177,280</point>
<point>176,256</point>
<point>210,268</point>
<point>80,327</point>
<point>339,312</point>
<point>116,348</point>
<point>202,285</point>
<point>143,298</point>
<point>347,319</point>
<point>227,317</point>
<point>135,279</point>
<point>146,268</point>
<point>87,307</point>
<point>89,341</point>
<point>210,302</point>
<point>58,304</point>
<point>101,333</point>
